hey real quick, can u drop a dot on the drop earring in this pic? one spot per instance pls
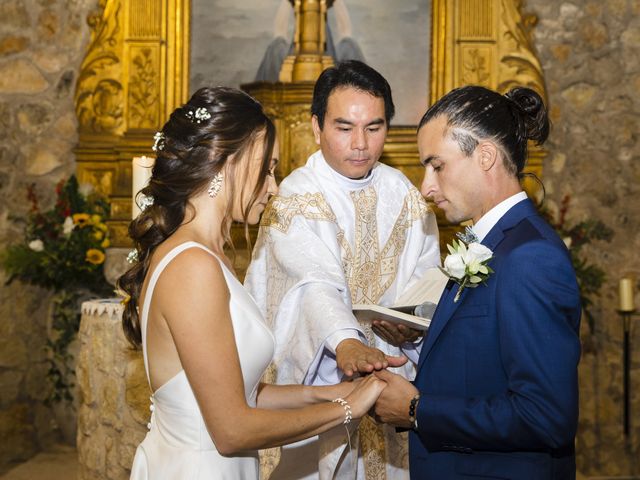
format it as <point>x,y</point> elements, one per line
<point>215,185</point>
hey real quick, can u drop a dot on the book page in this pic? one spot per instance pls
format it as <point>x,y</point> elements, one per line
<point>369,313</point>
<point>427,289</point>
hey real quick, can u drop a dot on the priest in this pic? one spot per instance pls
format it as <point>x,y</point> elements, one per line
<point>344,229</point>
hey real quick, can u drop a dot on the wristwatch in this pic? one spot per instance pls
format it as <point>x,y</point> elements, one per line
<point>413,407</point>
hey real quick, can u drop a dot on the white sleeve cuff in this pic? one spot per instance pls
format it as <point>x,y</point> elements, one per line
<point>333,340</point>
<point>412,350</point>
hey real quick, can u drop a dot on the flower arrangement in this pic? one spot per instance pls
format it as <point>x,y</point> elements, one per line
<point>467,265</point>
<point>590,277</point>
<point>63,251</point>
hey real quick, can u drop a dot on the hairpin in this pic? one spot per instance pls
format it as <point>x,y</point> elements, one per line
<point>132,256</point>
<point>198,115</point>
<point>145,202</point>
<point>158,142</point>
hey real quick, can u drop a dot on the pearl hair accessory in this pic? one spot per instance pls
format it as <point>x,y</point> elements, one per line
<point>158,142</point>
<point>145,202</point>
<point>132,256</point>
<point>198,115</point>
<point>216,184</point>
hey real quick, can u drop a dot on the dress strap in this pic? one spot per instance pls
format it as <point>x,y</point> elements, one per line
<point>173,253</point>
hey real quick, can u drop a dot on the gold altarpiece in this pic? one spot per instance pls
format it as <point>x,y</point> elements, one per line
<point>136,71</point>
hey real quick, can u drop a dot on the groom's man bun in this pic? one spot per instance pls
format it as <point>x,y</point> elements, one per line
<point>476,113</point>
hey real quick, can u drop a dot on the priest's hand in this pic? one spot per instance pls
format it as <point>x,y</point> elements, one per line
<point>353,356</point>
<point>392,406</point>
<point>395,334</point>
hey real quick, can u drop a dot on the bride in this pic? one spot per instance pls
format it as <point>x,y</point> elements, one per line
<point>204,342</point>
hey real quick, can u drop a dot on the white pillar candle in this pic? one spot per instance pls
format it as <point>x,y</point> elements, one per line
<point>626,295</point>
<point>140,175</point>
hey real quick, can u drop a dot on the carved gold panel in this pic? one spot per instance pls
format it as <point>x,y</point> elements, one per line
<point>143,89</point>
<point>124,93</point>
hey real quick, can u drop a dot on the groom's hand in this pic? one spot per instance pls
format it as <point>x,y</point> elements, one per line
<point>392,406</point>
<point>353,356</point>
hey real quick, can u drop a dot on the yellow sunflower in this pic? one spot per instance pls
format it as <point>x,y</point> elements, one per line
<point>95,256</point>
<point>81,219</point>
<point>105,243</point>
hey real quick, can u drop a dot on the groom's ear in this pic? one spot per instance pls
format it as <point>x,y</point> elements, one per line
<point>488,155</point>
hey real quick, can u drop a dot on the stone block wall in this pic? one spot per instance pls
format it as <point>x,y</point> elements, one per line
<point>41,47</point>
<point>590,54</point>
<point>25,422</point>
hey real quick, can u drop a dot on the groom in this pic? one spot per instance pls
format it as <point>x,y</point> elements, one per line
<point>496,392</point>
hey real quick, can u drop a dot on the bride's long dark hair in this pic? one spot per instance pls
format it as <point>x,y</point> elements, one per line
<point>191,150</point>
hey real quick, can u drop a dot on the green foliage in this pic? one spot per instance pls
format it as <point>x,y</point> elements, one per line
<point>64,326</point>
<point>590,277</point>
<point>63,250</point>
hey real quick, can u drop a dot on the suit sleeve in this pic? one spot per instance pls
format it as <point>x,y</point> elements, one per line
<point>537,316</point>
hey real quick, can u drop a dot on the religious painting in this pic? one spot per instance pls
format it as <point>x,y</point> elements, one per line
<point>233,43</point>
<point>394,38</point>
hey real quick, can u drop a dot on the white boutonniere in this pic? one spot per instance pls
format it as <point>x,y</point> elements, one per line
<point>467,265</point>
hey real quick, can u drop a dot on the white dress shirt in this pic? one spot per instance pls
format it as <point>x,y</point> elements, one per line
<point>489,219</point>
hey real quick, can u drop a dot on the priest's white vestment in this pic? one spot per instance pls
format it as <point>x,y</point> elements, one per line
<point>327,241</point>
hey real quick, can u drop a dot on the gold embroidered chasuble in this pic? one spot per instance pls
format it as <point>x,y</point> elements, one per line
<point>322,247</point>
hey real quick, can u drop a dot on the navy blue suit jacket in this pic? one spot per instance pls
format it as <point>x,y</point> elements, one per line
<point>498,370</point>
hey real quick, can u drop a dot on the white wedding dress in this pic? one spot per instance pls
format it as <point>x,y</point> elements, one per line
<point>178,445</point>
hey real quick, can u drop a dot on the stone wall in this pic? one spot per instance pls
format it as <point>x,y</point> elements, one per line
<point>41,47</point>
<point>590,53</point>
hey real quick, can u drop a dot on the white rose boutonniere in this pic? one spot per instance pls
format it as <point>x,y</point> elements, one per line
<point>467,265</point>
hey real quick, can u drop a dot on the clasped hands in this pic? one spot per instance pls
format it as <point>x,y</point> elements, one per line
<point>392,406</point>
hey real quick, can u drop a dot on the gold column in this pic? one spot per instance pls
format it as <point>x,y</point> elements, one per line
<point>308,59</point>
<point>309,40</point>
<point>288,102</point>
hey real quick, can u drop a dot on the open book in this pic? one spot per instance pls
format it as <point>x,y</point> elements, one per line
<point>414,308</point>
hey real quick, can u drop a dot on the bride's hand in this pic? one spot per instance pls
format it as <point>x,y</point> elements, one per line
<point>365,394</point>
<point>344,388</point>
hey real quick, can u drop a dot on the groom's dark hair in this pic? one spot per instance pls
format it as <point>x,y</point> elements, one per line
<point>510,120</point>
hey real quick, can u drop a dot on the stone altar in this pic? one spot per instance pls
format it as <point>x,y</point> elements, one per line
<point>113,394</point>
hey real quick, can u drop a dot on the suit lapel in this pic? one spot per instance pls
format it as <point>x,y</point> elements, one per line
<point>444,311</point>
<point>446,305</point>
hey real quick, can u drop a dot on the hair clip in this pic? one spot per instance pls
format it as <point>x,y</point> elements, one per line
<point>132,256</point>
<point>145,202</point>
<point>158,142</point>
<point>198,115</point>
